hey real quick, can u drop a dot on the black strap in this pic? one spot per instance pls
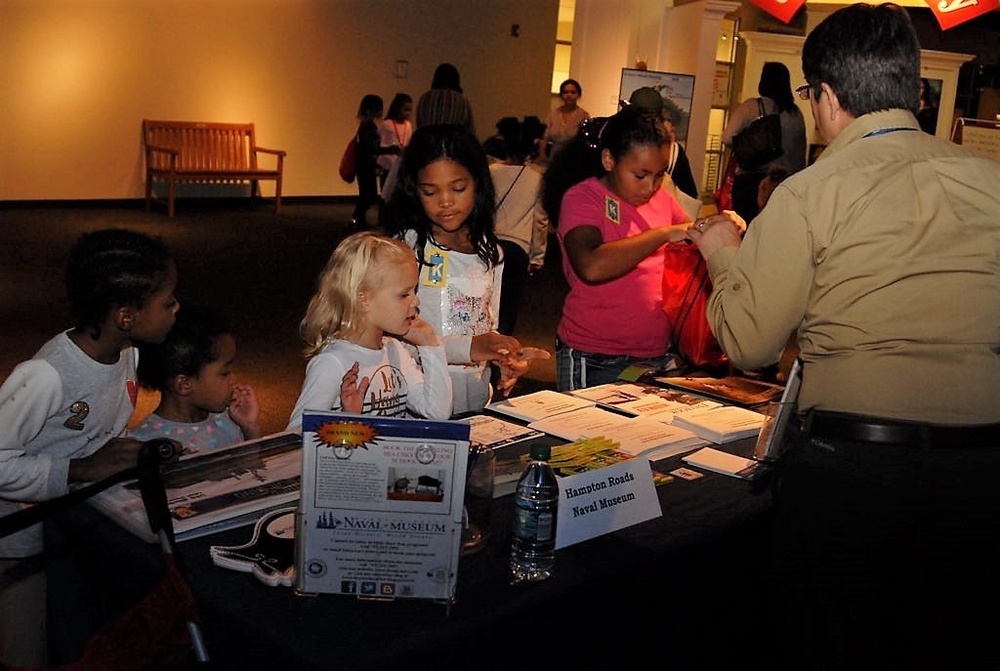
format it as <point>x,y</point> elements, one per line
<point>511,187</point>
<point>691,291</point>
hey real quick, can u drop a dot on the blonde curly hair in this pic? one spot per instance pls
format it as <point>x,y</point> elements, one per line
<point>353,267</point>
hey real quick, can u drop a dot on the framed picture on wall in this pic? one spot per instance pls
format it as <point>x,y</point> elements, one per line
<point>677,91</point>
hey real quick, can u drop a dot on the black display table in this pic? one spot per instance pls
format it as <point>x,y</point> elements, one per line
<point>683,589</point>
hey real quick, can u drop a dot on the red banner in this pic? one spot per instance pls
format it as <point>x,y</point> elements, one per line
<point>950,13</point>
<point>784,9</point>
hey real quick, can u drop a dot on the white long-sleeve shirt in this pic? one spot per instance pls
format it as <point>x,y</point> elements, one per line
<point>397,384</point>
<point>59,405</point>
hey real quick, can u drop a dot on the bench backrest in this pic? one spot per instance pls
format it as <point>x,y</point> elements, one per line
<point>203,145</point>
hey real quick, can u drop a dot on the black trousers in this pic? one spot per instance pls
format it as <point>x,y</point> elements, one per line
<point>515,275</point>
<point>367,196</point>
<point>745,186</point>
<point>886,556</point>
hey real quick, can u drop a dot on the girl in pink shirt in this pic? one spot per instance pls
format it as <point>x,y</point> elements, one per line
<point>612,228</point>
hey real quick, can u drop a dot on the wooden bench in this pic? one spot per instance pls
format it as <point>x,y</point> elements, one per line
<point>196,151</point>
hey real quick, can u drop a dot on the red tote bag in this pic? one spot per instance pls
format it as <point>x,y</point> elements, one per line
<point>348,162</point>
<point>686,288</point>
<point>724,194</point>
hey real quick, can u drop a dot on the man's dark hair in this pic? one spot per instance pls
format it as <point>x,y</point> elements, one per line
<point>869,55</point>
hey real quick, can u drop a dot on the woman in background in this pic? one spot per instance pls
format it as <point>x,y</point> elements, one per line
<point>394,134</point>
<point>564,121</point>
<point>369,114</point>
<point>775,90</point>
<point>445,103</point>
<point>927,114</point>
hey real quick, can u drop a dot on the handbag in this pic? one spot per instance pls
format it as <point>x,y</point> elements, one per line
<point>724,194</point>
<point>349,161</point>
<point>686,288</point>
<point>760,142</point>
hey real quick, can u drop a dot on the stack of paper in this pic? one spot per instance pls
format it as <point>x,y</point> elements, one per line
<point>539,405</point>
<point>638,436</point>
<point>722,424</point>
<point>722,462</point>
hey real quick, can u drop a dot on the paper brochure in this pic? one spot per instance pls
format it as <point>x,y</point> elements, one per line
<point>381,509</point>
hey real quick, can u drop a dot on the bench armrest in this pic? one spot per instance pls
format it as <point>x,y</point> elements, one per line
<point>276,152</point>
<point>279,153</point>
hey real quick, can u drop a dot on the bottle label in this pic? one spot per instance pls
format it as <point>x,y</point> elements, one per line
<point>534,525</point>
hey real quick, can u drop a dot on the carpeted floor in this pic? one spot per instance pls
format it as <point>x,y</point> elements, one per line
<point>259,267</point>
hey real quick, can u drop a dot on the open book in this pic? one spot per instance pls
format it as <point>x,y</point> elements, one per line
<point>212,491</point>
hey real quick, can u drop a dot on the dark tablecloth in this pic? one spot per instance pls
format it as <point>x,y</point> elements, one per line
<point>683,589</point>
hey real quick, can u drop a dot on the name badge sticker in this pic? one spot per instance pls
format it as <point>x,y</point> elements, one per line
<point>612,210</point>
<point>436,268</point>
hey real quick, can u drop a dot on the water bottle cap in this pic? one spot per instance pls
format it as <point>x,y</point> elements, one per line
<point>541,452</point>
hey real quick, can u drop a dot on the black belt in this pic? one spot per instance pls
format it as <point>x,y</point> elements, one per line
<point>838,426</point>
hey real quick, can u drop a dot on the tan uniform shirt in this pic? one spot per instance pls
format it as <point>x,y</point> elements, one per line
<point>885,257</point>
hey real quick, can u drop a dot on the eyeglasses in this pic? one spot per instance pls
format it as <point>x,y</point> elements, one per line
<point>803,91</point>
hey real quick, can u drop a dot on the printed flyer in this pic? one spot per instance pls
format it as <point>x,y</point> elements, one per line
<point>380,515</point>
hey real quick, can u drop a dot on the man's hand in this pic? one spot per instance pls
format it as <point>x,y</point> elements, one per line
<point>720,230</point>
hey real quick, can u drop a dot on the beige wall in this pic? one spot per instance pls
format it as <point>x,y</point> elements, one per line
<point>78,77</point>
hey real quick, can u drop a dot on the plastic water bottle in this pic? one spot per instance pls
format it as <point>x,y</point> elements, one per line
<point>536,500</point>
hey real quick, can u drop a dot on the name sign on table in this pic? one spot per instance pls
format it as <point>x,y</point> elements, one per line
<point>594,503</point>
<point>380,514</point>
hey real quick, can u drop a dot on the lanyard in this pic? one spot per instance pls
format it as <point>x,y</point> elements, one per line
<point>883,131</point>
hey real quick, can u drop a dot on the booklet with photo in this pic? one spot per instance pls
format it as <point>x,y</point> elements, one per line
<point>493,433</point>
<point>209,492</point>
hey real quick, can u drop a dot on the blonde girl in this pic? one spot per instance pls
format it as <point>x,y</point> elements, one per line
<point>364,307</point>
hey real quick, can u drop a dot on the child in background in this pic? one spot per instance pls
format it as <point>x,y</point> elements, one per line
<point>367,293</point>
<point>394,134</point>
<point>64,413</point>
<point>201,405</point>
<point>443,208</point>
<point>367,168</point>
<point>522,225</point>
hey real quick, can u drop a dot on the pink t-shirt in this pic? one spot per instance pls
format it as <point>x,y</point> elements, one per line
<point>625,315</point>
